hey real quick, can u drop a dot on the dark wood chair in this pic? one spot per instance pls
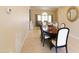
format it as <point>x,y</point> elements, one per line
<point>62,25</point>
<point>44,35</point>
<point>62,39</point>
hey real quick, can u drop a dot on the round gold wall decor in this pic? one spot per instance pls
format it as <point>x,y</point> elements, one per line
<point>72,14</point>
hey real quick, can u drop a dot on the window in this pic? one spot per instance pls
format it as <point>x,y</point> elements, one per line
<point>50,19</point>
<point>44,17</point>
<point>39,18</point>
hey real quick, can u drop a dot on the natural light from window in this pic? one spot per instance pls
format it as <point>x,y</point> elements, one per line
<point>44,17</point>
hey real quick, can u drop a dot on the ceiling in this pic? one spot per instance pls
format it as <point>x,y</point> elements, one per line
<point>45,7</point>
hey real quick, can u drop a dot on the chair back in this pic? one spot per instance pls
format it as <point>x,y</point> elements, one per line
<point>44,26</point>
<point>62,25</point>
<point>62,36</point>
<point>41,29</point>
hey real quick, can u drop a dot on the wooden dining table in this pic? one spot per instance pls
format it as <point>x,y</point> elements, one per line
<point>52,31</point>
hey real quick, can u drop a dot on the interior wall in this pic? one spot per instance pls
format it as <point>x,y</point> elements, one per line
<point>35,11</point>
<point>62,18</point>
<point>13,27</point>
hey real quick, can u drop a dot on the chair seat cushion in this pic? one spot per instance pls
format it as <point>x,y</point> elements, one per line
<point>47,37</point>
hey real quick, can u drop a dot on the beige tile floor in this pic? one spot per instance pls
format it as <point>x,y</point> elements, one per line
<point>33,44</point>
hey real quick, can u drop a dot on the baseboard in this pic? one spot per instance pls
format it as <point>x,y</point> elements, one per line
<point>73,36</point>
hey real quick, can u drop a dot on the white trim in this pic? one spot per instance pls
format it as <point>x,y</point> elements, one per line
<point>76,37</point>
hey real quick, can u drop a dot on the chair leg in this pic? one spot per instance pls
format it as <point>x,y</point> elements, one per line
<point>41,39</point>
<point>56,49</point>
<point>50,48</point>
<point>43,42</point>
<point>66,50</point>
<point>51,45</point>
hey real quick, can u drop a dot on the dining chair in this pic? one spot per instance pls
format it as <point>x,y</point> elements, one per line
<point>62,39</point>
<point>62,25</point>
<point>44,35</point>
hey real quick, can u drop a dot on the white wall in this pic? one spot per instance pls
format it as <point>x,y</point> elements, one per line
<point>13,28</point>
<point>62,18</point>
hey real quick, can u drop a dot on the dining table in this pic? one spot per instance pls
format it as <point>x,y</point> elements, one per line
<point>52,30</point>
